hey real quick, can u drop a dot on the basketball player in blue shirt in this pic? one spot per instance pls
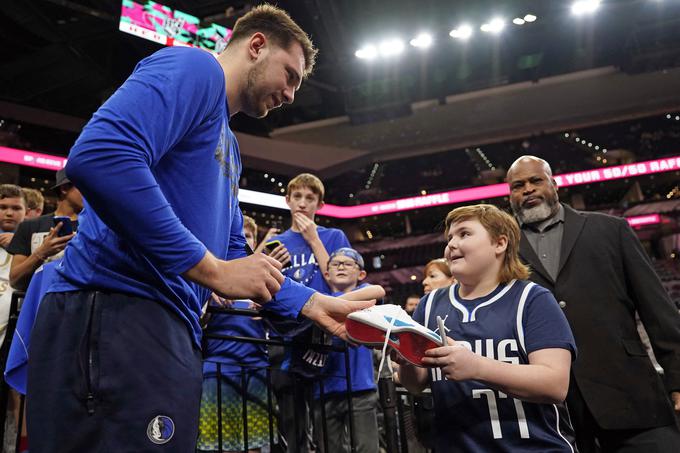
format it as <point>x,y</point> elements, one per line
<point>115,361</point>
<point>499,383</point>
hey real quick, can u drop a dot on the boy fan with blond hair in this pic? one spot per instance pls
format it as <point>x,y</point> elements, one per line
<point>500,382</point>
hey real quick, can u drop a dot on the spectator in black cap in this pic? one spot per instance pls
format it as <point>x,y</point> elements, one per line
<point>37,240</point>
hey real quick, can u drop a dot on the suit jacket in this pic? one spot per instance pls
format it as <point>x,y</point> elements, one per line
<point>604,277</point>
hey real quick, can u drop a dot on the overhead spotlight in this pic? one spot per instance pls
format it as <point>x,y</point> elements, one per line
<point>391,47</point>
<point>581,7</point>
<point>368,52</point>
<point>423,41</point>
<point>518,21</point>
<point>566,134</point>
<point>668,116</point>
<point>463,32</point>
<point>530,18</point>
<point>494,26</point>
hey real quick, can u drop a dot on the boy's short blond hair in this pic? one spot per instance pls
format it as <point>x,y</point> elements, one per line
<point>497,223</point>
<point>250,224</point>
<point>277,26</point>
<point>309,181</point>
<point>34,199</point>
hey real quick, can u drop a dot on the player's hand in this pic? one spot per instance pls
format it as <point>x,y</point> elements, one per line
<point>675,397</point>
<point>5,239</point>
<point>329,313</point>
<point>53,244</point>
<point>281,255</point>
<point>306,226</point>
<point>256,277</point>
<point>456,361</point>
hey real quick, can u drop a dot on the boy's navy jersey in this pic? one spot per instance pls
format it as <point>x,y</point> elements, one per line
<point>360,365</point>
<point>303,267</point>
<point>506,325</point>
<point>159,168</point>
<point>233,355</point>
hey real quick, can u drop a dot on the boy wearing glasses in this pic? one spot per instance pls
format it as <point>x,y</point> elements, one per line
<point>344,276</point>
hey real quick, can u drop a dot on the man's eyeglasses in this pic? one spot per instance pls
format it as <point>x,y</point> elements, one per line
<point>344,264</point>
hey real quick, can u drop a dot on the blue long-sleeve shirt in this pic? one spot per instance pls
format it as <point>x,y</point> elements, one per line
<point>159,169</point>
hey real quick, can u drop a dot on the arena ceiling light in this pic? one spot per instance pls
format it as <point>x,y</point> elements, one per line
<point>463,32</point>
<point>367,52</point>
<point>495,26</point>
<point>530,18</point>
<point>391,47</point>
<point>518,21</point>
<point>422,41</point>
<point>581,7</point>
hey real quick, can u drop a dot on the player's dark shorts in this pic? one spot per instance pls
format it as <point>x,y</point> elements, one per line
<point>110,372</point>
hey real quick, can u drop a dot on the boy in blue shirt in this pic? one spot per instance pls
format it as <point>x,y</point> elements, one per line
<point>344,274</point>
<point>500,382</point>
<point>309,246</point>
<point>308,243</point>
<point>115,360</point>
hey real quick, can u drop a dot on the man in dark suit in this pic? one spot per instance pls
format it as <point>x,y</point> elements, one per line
<point>601,276</point>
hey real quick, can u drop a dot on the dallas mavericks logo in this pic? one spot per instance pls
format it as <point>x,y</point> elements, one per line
<point>160,430</point>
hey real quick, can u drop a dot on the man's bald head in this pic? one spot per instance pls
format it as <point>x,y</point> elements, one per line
<point>533,193</point>
<point>530,160</point>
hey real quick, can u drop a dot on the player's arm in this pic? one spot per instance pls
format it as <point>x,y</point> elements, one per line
<point>111,162</point>
<point>368,292</point>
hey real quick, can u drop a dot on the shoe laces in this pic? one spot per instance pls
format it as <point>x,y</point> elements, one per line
<point>384,348</point>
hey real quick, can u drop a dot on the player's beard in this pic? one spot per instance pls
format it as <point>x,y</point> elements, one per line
<point>254,94</point>
<point>543,211</point>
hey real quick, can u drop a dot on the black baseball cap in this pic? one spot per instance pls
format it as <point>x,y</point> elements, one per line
<point>61,179</point>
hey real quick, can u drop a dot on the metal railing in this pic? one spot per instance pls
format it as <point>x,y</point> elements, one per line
<point>391,398</point>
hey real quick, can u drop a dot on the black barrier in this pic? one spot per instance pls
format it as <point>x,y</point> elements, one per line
<point>389,395</point>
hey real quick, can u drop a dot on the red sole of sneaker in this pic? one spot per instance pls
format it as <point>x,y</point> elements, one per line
<point>410,345</point>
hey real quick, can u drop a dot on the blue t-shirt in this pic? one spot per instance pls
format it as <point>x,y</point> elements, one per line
<point>360,365</point>
<point>159,169</point>
<point>233,355</point>
<point>506,325</point>
<point>303,267</point>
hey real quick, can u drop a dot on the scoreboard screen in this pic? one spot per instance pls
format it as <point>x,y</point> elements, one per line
<point>161,24</point>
